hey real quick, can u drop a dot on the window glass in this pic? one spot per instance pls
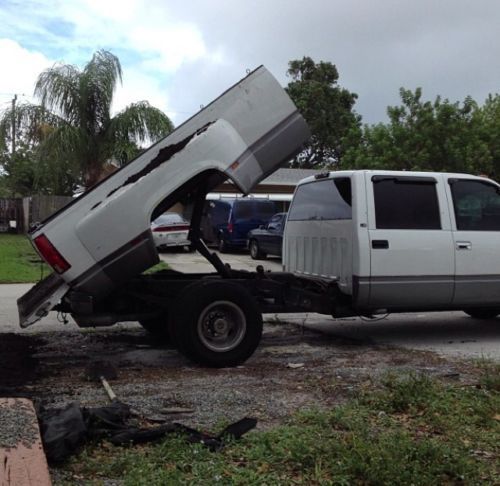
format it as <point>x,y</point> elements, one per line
<point>477,205</point>
<point>406,204</point>
<point>218,212</point>
<point>324,200</point>
<point>170,218</point>
<point>261,210</point>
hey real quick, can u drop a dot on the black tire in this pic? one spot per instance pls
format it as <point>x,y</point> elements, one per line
<point>216,324</point>
<point>483,312</point>
<point>222,246</point>
<point>255,251</point>
<point>157,327</point>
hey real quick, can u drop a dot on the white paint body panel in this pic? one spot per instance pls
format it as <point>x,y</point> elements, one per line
<point>104,235</point>
<point>420,269</point>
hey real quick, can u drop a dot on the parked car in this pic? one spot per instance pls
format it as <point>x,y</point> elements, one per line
<point>226,222</point>
<point>170,230</point>
<point>267,239</point>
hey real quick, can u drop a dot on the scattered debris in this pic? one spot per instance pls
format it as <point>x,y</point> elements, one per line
<point>175,410</point>
<point>294,366</point>
<point>65,430</point>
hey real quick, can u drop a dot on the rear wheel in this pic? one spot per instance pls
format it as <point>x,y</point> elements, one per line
<point>483,312</point>
<point>255,251</point>
<point>216,324</point>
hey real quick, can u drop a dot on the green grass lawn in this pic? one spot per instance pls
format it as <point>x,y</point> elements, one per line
<point>406,430</point>
<point>19,263</point>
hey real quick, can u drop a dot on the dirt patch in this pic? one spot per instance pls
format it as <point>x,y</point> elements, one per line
<point>18,364</point>
<point>292,369</point>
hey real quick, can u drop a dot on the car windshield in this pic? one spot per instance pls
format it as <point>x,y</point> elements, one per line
<point>170,218</point>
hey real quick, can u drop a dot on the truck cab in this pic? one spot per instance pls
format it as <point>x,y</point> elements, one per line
<point>399,241</point>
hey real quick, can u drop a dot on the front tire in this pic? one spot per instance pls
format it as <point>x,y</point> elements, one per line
<point>255,251</point>
<point>216,324</point>
<point>483,312</point>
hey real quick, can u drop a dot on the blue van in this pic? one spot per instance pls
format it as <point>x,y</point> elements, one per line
<point>226,222</point>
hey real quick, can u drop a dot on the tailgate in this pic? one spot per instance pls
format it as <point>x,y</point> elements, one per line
<point>40,299</point>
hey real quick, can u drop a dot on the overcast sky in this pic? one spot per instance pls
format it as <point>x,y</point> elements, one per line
<point>179,55</point>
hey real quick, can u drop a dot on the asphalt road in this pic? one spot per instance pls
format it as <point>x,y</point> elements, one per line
<point>446,333</point>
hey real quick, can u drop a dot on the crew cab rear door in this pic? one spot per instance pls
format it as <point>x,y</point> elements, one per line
<point>411,244</point>
<point>475,210</point>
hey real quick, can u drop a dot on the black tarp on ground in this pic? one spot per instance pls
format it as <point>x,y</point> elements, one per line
<point>65,430</point>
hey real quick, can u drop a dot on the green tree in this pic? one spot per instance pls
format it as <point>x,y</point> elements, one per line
<point>328,109</point>
<point>73,129</point>
<point>487,118</point>
<point>24,174</point>
<point>424,135</point>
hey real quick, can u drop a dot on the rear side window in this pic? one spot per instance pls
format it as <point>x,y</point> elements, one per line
<point>218,212</point>
<point>328,199</point>
<point>406,203</point>
<point>477,205</point>
<point>261,210</point>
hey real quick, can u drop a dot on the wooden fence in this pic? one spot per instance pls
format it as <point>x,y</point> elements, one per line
<point>11,215</point>
<point>18,214</point>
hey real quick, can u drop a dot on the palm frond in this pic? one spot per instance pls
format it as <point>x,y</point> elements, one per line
<point>139,122</point>
<point>58,90</point>
<point>97,84</point>
<point>63,144</point>
<point>32,123</point>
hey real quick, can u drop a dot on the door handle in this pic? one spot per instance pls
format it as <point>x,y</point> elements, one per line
<point>380,244</point>
<point>464,245</point>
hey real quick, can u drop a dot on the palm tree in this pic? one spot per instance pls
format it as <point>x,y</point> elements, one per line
<point>73,128</point>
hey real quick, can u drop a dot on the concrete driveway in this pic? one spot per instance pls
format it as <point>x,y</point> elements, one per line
<point>446,333</point>
<point>194,262</point>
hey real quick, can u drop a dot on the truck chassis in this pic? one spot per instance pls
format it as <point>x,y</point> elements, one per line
<point>215,319</point>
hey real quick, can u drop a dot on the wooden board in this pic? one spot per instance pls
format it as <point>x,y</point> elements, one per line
<point>23,465</point>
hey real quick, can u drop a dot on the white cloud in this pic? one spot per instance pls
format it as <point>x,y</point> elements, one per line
<point>180,54</point>
<point>139,87</point>
<point>21,69</point>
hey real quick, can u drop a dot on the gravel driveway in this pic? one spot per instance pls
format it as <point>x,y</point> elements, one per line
<point>294,367</point>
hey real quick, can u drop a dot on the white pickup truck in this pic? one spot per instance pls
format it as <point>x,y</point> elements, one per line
<point>100,243</point>
<point>356,243</point>
<point>399,241</point>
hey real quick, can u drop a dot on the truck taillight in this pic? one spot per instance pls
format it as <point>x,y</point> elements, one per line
<point>230,227</point>
<point>50,254</point>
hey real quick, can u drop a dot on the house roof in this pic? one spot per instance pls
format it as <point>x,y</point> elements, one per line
<point>287,177</point>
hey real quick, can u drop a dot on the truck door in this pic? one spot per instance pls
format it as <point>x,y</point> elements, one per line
<point>476,235</point>
<point>411,244</point>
